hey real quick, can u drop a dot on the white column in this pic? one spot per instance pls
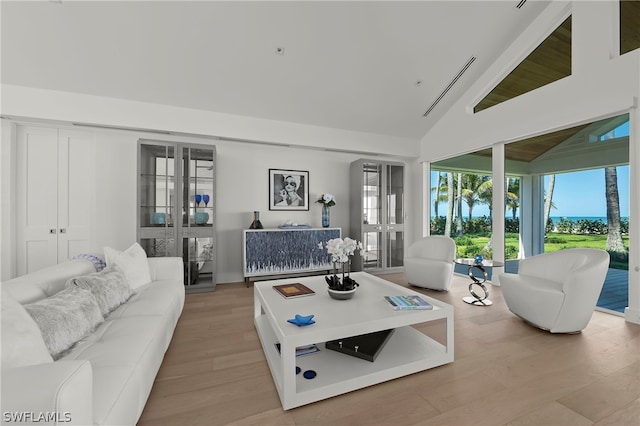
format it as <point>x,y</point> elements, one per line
<point>497,215</point>
<point>426,199</point>
<point>632,312</point>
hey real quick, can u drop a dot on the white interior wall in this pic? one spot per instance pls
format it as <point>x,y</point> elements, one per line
<point>20,101</point>
<point>242,187</point>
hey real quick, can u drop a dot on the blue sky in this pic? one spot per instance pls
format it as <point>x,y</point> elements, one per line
<point>583,193</point>
<point>575,194</point>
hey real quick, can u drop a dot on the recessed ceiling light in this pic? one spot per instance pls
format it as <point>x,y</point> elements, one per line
<point>279,50</point>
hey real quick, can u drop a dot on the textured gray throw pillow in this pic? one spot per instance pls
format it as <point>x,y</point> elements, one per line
<point>65,318</point>
<point>109,286</point>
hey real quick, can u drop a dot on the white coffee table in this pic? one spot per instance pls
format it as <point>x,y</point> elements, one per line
<point>406,352</point>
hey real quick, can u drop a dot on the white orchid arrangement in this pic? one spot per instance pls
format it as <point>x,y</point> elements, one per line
<point>340,249</point>
<point>327,199</point>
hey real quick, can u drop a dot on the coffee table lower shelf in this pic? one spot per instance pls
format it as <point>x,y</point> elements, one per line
<point>407,351</point>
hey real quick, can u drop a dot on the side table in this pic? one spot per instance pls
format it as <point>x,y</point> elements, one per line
<point>476,299</point>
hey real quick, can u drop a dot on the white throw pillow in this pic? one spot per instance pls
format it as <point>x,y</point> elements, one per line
<point>133,262</point>
<point>22,342</point>
<point>65,318</point>
<point>110,287</point>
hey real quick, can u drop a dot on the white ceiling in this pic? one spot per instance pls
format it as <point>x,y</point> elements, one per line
<point>347,65</point>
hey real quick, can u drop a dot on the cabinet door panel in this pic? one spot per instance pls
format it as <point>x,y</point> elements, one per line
<point>76,195</point>
<point>37,198</point>
<point>54,196</point>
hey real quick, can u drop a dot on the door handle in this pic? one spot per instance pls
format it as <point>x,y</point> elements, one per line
<point>63,231</point>
<point>52,231</point>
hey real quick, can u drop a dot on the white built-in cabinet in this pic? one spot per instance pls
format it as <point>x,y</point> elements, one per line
<point>54,195</point>
<point>377,214</point>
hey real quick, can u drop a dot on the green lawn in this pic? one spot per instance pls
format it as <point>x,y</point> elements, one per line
<point>472,244</point>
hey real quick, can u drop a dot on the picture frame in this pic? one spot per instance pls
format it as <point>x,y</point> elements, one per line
<point>288,189</point>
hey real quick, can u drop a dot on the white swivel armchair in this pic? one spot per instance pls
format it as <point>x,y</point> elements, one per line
<point>429,262</point>
<point>557,291</point>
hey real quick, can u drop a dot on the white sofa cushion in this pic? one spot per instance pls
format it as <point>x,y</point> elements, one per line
<point>45,282</point>
<point>132,261</point>
<point>22,342</point>
<point>110,287</point>
<point>65,318</point>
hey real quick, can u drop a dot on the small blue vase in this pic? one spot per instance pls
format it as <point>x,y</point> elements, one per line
<point>325,216</point>
<point>201,218</point>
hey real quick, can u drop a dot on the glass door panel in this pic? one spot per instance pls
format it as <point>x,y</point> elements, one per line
<point>372,257</point>
<point>395,194</point>
<point>371,193</point>
<point>395,253</point>
<point>156,199</point>
<point>198,186</point>
<point>158,247</point>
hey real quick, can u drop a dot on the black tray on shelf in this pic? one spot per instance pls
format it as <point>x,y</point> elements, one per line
<point>369,345</point>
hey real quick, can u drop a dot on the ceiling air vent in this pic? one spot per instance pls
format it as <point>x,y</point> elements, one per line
<point>456,78</point>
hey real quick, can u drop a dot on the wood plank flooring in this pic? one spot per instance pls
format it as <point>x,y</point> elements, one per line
<point>505,372</point>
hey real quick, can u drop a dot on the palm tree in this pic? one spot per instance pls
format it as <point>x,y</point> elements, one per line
<point>485,193</point>
<point>512,197</point>
<point>459,205</point>
<point>447,226</point>
<point>470,191</point>
<point>614,236</point>
<point>548,200</point>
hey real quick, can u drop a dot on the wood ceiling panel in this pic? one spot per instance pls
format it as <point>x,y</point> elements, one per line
<point>629,26</point>
<point>549,62</point>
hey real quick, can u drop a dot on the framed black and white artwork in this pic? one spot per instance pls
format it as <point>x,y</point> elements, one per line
<point>288,189</point>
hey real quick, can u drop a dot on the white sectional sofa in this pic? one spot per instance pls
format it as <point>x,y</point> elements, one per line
<point>106,377</point>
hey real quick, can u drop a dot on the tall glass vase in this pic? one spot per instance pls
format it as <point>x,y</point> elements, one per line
<point>325,216</point>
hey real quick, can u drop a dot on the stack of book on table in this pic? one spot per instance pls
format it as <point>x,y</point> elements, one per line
<point>403,303</point>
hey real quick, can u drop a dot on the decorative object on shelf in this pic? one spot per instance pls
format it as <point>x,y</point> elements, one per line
<point>364,346</point>
<point>327,200</point>
<point>478,259</point>
<point>342,294</point>
<point>288,224</point>
<point>256,224</point>
<point>201,218</point>
<point>206,199</point>
<point>341,252</point>
<point>301,320</point>
<point>288,189</point>
<point>158,218</point>
<point>198,198</point>
<point>325,216</point>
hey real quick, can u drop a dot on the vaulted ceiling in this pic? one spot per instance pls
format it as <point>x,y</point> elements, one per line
<point>367,66</point>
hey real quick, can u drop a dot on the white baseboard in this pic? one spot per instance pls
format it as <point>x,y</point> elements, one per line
<point>632,315</point>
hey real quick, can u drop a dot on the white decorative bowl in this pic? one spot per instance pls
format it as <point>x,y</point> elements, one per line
<point>341,295</point>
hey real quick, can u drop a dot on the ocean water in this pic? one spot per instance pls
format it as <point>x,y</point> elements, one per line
<point>556,219</point>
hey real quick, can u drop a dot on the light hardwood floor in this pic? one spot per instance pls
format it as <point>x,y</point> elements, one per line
<point>505,373</point>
